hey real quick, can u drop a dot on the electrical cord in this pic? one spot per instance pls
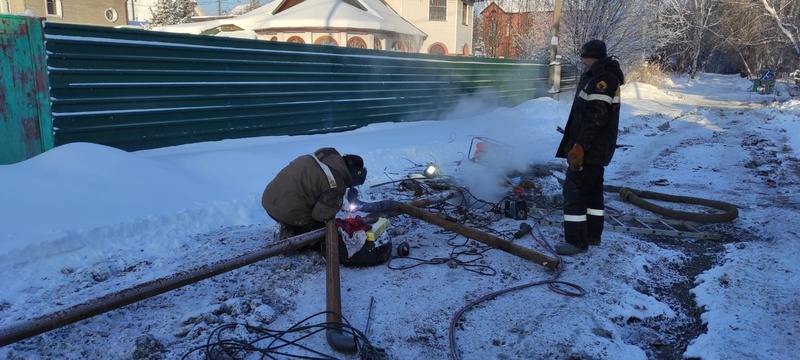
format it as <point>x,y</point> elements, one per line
<point>456,259</point>
<point>560,287</point>
<point>274,344</point>
<point>472,252</point>
<point>555,285</point>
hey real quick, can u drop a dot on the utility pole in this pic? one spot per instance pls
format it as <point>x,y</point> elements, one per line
<point>554,80</point>
<point>219,7</point>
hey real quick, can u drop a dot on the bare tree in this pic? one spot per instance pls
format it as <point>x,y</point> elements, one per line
<point>693,20</point>
<point>531,32</point>
<point>743,34</point>
<point>491,38</point>
<point>531,36</point>
<point>786,14</point>
<point>629,28</point>
<point>478,45</point>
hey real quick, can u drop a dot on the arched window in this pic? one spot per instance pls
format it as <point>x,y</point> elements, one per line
<point>465,50</point>
<point>274,38</point>
<point>356,42</point>
<point>437,48</point>
<point>325,40</point>
<point>296,39</point>
<point>376,44</point>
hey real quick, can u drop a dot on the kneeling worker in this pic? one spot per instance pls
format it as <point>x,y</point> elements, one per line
<point>311,189</point>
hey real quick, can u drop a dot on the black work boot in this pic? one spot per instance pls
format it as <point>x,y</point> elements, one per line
<point>595,227</point>
<point>575,238</point>
<point>568,249</point>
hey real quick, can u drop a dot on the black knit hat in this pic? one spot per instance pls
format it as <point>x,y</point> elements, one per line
<point>355,165</point>
<point>595,49</point>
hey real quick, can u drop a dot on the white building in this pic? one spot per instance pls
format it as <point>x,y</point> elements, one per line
<point>428,26</point>
<point>448,23</point>
<point>139,11</point>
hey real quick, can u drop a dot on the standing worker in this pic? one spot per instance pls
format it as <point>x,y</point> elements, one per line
<point>590,138</point>
<point>310,190</point>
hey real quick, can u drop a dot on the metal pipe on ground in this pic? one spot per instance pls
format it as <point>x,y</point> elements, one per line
<point>28,328</point>
<point>421,202</point>
<point>493,241</point>
<point>337,339</point>
<point>41,324</point>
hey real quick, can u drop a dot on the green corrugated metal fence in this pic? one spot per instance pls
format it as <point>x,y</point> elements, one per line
<point>25,129</point>
<point>135,89</point>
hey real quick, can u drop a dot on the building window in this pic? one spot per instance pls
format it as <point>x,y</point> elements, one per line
<point>54,7</point>
<point>296,40</point>
<point>438,49</point>
<point>274,38</point>
<point>438,10</point>
<point>111,15</point>
<point>376,44</point>
<point>465,50</point>
<point>465,14</point>
<point>356,42</point>
<point>325,40</point>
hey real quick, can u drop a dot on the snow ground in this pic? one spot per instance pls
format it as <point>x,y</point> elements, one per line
<point>84,220</point>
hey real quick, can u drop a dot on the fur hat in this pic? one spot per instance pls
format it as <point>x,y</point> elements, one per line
<point>595,49</point>
<point>355,165</point>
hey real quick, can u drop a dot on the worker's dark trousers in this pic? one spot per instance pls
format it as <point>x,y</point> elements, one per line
<point>583,205</point>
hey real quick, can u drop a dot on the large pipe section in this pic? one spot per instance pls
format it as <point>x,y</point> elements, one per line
<point>337,338</point>
<point>32,327</point>
<point>488,239</point>
<point>39,325</point>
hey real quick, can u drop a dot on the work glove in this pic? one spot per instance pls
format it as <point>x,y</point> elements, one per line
<point>352,196</point>
<point>575,158</point>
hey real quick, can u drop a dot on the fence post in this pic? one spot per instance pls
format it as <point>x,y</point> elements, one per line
<point>25,121</point>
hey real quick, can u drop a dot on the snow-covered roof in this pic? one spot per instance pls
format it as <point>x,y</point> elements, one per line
<point>311,14</point>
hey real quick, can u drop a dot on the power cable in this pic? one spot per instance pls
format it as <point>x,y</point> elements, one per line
<point>456,259</point>
<point>559,287</point>
<point>223,343</point>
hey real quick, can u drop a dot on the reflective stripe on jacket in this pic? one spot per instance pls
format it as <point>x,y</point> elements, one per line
<point>594,117</point>
<point>301,193</point>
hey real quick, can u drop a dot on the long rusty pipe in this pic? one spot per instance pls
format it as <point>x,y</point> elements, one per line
<point>32,327</point>
<point>488,239</point>
<point>44,323</point>
<point>337,338</point>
